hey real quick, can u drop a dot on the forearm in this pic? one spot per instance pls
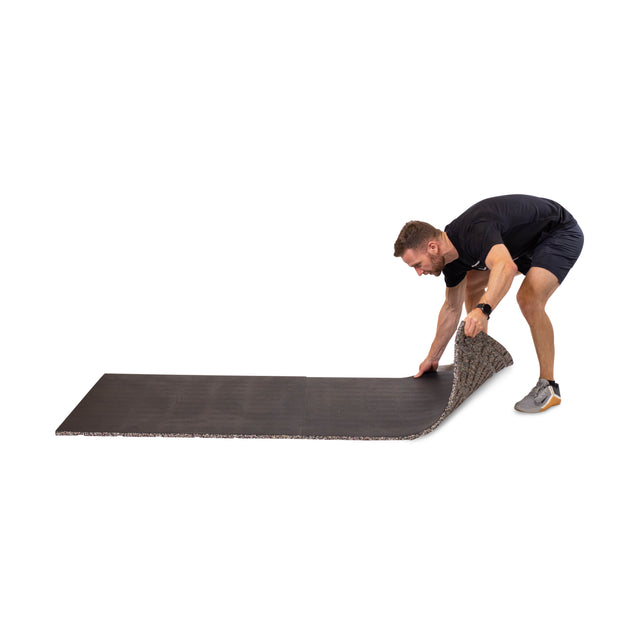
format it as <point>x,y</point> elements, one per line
<point>448,319</point>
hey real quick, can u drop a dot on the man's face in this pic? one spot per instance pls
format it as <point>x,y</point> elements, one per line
<point>426,261</point>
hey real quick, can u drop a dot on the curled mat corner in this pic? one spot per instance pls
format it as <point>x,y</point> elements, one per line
<point>286,407</point>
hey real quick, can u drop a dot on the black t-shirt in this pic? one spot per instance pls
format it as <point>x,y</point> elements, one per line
<point>516,221</point>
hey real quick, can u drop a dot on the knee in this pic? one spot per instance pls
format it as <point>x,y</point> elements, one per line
<point>529,304</point>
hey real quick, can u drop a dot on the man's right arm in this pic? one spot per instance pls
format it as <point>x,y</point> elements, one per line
<point>447,324</point>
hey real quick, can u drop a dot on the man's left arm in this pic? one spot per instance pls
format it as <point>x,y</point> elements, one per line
<point>503,271</point>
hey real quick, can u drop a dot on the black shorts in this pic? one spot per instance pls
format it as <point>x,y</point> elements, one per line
<point>557,251</point>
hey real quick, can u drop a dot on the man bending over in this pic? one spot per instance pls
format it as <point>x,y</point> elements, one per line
<point>480,253</point>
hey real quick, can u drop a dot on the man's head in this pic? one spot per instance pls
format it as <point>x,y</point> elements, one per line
<point>420,246</point>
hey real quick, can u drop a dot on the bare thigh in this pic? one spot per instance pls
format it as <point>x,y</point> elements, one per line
<point>538,286</point>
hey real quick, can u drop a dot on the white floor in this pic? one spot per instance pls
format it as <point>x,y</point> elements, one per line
<point>216,188</point>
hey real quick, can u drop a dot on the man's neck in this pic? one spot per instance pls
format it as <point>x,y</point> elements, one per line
<point>449,252</point>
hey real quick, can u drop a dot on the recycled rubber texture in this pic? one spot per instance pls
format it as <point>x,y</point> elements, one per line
<point>285,407</point>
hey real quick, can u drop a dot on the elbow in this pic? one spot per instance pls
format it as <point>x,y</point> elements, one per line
<point>506,268</point>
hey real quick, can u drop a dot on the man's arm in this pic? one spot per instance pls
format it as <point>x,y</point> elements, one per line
<point>503,271</point>
<point>447,324</point>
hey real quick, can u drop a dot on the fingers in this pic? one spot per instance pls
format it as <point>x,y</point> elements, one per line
<point>427,365</point>
<point>472,327</point>
<point>469,328</point>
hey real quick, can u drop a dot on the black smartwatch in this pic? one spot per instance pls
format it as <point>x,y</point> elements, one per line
<point>486,308</point>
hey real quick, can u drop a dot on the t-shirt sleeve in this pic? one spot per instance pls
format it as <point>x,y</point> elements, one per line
<point>454,273</point>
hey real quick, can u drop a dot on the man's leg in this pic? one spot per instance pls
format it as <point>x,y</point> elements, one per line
<point>476,286</point>
<point>553,258</point>
<point>538,286</point>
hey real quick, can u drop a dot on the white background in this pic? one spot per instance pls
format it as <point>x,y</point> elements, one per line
<point>215,188</point>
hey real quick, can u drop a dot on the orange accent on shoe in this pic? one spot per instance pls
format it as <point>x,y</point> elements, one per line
<point>553,401</point>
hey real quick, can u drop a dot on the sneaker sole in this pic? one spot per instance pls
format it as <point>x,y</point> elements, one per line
<point>553,401</point>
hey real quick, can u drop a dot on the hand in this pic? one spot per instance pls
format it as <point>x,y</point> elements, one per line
<point>475,322</point>
<point>428,364</point>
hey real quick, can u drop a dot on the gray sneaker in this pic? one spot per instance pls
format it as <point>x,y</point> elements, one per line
<point>543,396</point>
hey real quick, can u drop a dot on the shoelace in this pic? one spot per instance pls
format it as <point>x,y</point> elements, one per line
<point>537,391</point>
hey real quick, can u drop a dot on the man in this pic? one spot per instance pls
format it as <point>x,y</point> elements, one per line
<point>480,253</point>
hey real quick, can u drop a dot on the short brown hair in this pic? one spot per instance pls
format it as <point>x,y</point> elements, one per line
<point>414,235</point>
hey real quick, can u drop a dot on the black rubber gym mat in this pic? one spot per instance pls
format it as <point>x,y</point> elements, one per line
<point>293,407</point>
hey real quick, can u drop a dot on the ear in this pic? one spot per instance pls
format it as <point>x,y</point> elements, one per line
<point>433,247</point>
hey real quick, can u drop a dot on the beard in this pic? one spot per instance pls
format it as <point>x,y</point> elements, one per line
<point>438,265</point>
